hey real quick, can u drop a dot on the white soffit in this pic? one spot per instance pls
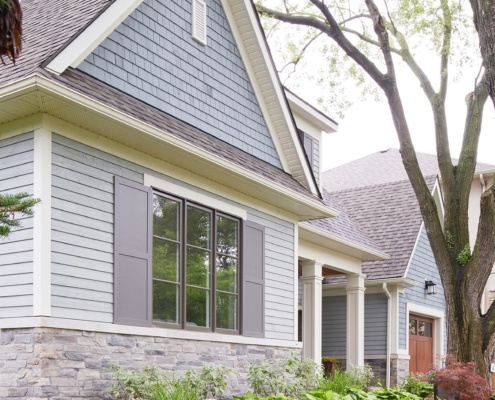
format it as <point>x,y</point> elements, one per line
<point>310,113</point>
<point>256,56</point>
<point>79,48</point>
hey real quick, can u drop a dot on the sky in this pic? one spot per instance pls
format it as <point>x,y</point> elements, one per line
<point>367,126</point>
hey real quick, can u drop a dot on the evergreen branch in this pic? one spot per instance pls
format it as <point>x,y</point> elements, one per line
<point>13,206</point>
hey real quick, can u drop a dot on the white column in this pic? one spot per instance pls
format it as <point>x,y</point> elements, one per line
<point>311,301</point>
<point>355,320</point>
<point>42,223</point>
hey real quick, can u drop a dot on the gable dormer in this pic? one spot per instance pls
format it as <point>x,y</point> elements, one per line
<point>311,124</point>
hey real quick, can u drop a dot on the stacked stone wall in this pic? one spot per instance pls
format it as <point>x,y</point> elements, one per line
<point>400,369</point>
<point>46,363</point>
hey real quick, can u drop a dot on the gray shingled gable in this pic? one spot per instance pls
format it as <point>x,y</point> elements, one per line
<point>153,57</point>
<point>389,214</point>
<point>381,167</point>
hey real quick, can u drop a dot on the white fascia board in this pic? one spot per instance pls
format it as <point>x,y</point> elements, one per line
<point>77,50</point>
<point>37,82</point>
<point>359,250</point>
<point>401,283</point>
<point>414,249</point>
<point>310,113</point>
<point>285,138</point>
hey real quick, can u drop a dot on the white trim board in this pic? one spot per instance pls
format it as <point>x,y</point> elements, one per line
<point>438,317</point>
<point>88,326</point>
<point>91,37</point>
<point>173,188</point>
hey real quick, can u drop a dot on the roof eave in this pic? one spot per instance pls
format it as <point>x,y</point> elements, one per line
<point>220,169</point>
<point>338,243</point>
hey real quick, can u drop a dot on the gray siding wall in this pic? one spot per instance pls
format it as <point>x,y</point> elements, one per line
<point>422,267</point>
<point>82,229</point>
<point>279,275</point>
<point>82,239</point>
<point>16,252</point>
<point>153,57</point>
<point>334,325</point>
<point>375,324</point>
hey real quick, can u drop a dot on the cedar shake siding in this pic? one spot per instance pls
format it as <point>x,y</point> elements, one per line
<point>83,239</point>
<point>16,251</point>
<point>153,57</point>
<point>422,267</point>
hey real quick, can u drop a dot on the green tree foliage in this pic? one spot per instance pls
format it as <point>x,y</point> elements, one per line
<point>371,38</point>
<point>13,206</point>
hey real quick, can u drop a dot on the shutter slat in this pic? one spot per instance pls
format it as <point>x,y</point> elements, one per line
<point>253,272</point>
<point>133,253</point>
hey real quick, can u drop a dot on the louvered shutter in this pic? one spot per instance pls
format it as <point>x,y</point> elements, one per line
<point>199,21</point>
<point>133,253</point>
<point>253,272</point>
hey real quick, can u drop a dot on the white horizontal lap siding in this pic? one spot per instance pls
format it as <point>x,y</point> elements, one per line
<point>279,275</point>
<point>82,229</point>
<point>16,251</point>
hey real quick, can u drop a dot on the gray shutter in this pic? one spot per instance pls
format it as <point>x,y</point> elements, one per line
<point>253,272</point>
<point>308,148</point>
<point>133,253</point>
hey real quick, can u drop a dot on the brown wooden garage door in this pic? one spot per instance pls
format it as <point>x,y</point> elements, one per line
<point>420,344</point>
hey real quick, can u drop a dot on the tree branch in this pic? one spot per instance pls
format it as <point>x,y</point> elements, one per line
<point>301,53</point>
<point>332,29</point>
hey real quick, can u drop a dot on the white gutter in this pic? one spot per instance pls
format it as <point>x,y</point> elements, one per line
<point>389,332</point>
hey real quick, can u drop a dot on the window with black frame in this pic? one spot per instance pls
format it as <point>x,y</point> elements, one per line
<point>196,268</point>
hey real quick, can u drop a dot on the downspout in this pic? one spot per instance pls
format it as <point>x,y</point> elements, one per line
<point>483,184</point>
<point>389,332</point>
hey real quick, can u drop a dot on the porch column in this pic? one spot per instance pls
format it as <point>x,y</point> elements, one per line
<point>311,301</point>
<point>355,319</point>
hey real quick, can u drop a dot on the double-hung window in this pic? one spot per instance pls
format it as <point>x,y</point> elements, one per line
<point>178,263</point>
<point>196,269</point>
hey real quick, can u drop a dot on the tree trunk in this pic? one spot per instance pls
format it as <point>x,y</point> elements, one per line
<point>484,20</point>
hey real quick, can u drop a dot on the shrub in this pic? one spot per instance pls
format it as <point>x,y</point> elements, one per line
<point>459,379</point>
<point>152,383</point>
<point>415,383</point>
<point>289,378</point>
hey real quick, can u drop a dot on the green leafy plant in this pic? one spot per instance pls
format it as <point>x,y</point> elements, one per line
<point>137,384</point>
<point>175,390</point>
<point>464,255</point>
<point>396,394</point>
<point>329,359</point>
<point>416,383</point>
<point>210,381</point>
<point>13,206</point>
<point>289,378</point>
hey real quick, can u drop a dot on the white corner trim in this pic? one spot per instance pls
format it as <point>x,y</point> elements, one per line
<point>89,326</point>
<point>438,317</point>
<point>182,191</point>
<point>92,36</point>
<point>296,283</point>
<point>42,223</point>
<point>413,250</point>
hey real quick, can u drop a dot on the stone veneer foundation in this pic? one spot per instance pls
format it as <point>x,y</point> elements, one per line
<point>400,369</point>
<point>47,363</point>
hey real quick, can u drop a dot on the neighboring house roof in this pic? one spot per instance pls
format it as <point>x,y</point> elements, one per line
<point>389,214</point>
<point>49,26</point>
<point>376,193</point>
<point>382,167</point>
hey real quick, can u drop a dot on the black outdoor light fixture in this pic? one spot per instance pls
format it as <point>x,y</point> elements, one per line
<point>430,287</point>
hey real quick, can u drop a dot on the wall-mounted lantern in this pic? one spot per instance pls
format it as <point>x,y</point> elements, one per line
<point>430,287</point>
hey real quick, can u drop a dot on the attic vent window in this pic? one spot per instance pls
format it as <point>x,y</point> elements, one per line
<point>199,21</point>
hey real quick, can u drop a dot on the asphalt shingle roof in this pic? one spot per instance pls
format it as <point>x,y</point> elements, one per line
<point>382,167</point>
<point>49,26</point>
<point>343,225</point>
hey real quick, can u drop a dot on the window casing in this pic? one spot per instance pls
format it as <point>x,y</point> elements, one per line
<point>196,266</point>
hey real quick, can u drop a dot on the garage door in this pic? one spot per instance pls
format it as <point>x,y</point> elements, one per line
<point>420,343</point>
